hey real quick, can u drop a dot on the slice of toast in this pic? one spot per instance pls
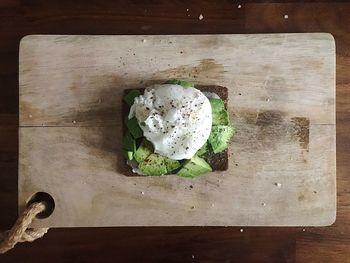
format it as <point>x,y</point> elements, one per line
<point>217,161</point>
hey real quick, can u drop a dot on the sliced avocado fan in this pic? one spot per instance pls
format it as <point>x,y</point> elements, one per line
<point>194,167</point>
<point>128,146</point>
<point>145,149</point>
<point>134,128</point>
<point>203,150</point>
<point>156,165</point>
<point>183,83</point>
<point>220,137</point>
<point>219,114</point>
<point>130,97</point>
<point>151,163</point>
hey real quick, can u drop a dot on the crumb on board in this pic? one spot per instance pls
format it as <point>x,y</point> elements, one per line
<point>74,122</point>
<point>200,17</point>
<point>192,256</point>
<point>142,192</point>
<point>263,204</point>
<point>239,6</point>
<point>30,116</point>
<point>241,230</point>
<point>278,184</point>
<point>187,9</point>
<point>285,16</point>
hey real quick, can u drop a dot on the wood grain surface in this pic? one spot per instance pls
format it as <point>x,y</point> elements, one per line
<point>281,99</point>
<point>188,244</point>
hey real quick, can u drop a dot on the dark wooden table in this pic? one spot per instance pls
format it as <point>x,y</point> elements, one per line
<point>179,244</point>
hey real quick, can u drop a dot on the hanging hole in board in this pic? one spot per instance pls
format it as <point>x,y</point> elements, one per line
<point>48,201</point>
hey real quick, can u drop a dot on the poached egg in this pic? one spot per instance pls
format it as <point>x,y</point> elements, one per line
<point>176,120</point>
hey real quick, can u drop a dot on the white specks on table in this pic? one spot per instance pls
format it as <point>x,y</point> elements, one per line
<point>143,193</point>
<point>212,205</point>
<point>263,204</point>
<point>239,6</point>
<point>192,256</point>
<point>267,99</point>
<point>30,116</point>
<point>187,9</point>
<point>144,40</point>
<point>200,17</point>
<point>285,16</point>
<point>304,229</point>
<point>74,122</point>
<point>241,230</point>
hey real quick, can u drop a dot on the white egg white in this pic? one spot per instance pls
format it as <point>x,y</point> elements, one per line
<point>175,119</point>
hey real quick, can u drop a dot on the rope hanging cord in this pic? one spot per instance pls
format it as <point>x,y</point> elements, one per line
<point>21,232</point>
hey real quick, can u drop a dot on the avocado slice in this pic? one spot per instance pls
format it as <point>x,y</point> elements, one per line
<point>129,146</point>
<point>134,128</point>
<point>130,97</point>
<point>183,83</point>
<point>219,114</point>
<point>145,149</point>
<point>128,143</point>
<point>217,105</point>
<point>220,118</point>
<point>128,155</point>
<point>194,167</point>
<point>153,165</point>
<point>203,150</point>
<point>220,136</point>
<point>171,165</point>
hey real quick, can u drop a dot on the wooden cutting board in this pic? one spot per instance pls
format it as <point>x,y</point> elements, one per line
<point>281,101</point>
